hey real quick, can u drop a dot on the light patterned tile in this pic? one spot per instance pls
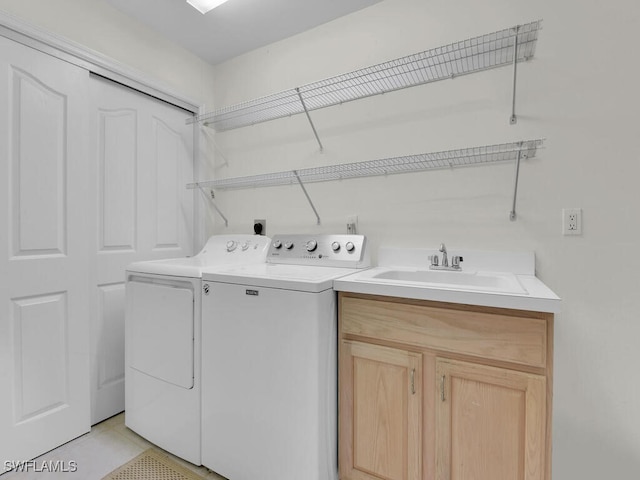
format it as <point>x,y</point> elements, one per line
<point>214,476</point>
<point>109,445</point>
<point>132,436</point>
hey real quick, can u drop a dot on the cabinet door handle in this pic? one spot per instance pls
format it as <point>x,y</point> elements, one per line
<point>413,381</point>
<point>442,388</point>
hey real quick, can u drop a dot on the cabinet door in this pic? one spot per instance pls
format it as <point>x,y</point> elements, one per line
<point>490,423</point>
<point>380,413</point>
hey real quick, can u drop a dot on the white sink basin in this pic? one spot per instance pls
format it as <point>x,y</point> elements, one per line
<point>452,280</point>
<point>490,279</point>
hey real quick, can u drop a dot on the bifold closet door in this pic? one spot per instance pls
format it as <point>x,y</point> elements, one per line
<point>93,177</point>
<point>142,154</point>
<point>46,222</point>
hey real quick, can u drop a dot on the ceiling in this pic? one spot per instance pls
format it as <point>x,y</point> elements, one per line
<point>237,26</point>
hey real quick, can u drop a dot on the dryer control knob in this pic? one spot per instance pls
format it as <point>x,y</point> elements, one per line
<point>311,245</point>
<point>231,245</point>
<point>335,246</point>
<point>277,244</point>
<point>288,245</point>
<point>350,247</point>
<point>245,246</point>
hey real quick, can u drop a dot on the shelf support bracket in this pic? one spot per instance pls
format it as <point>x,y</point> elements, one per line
<point>304,105</point>
<point>304,190</point>
<point>211,197</point>
<point>513,120</point>
<point>512,214</point>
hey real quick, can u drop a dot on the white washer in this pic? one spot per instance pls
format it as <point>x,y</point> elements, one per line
<point>269,378</point>
<point>162,342</point>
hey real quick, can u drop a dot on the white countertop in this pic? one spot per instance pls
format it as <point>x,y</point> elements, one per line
<point>518,268</point>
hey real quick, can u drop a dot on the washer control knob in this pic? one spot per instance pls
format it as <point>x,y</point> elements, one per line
<point>288,245</point>
<point>311,245</point>
<point>350,247</point>
<point>335,246</point>
<point>245,246</point>
<point>231,245</point>
<point>277,244</point>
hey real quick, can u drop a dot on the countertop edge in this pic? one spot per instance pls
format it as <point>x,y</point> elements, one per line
<point>549,304</point>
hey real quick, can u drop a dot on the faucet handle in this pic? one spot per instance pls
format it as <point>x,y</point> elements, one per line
<point>434,260</point>
<point>455,261</point>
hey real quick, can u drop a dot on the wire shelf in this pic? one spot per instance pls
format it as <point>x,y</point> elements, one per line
<point>388,166</point>
<point>460,58</point>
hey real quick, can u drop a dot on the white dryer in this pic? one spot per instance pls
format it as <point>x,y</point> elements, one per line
<point>163,342</point>
<point>269,378</point>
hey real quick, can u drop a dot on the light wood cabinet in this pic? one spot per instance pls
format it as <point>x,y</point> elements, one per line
<point>385,399</point>
<point>490,423</point>
<point>436,391</point>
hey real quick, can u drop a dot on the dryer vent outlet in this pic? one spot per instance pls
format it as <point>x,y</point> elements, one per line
<point>260,227</point>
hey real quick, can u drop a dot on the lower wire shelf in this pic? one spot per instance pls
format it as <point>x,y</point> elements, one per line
<point>387,166</point>
<point>487,154</point>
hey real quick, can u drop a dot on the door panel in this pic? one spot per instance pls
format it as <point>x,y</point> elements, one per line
<point>118,159</point>
<point>143,160</point>
<point>167,191</point>
<point>39,127</point>
<point>490,423</point>
<point>110,325</point>
<point>381,414</point>
<point>44,307</point>
<point>40,331</point>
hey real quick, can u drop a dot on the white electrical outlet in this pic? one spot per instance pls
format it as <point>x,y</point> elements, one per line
<point>572,221</point>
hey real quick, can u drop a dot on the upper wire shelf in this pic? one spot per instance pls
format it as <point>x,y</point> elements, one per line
<point>405,164</point>
<point>460,58</point>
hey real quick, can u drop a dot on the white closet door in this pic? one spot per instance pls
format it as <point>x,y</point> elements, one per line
<point>143,158</point>
<point>45,219</point>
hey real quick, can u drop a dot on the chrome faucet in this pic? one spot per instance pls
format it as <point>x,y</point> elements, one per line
<point>443,250</point>
<point>455,261</point>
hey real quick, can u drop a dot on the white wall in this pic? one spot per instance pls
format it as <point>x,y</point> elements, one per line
<point>100,27</point>
<point>580,92</point>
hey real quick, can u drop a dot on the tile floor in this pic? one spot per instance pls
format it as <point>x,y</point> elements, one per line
<point>107,446</point>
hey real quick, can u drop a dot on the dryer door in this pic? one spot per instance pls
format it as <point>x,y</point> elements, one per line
<point>160,326</point>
